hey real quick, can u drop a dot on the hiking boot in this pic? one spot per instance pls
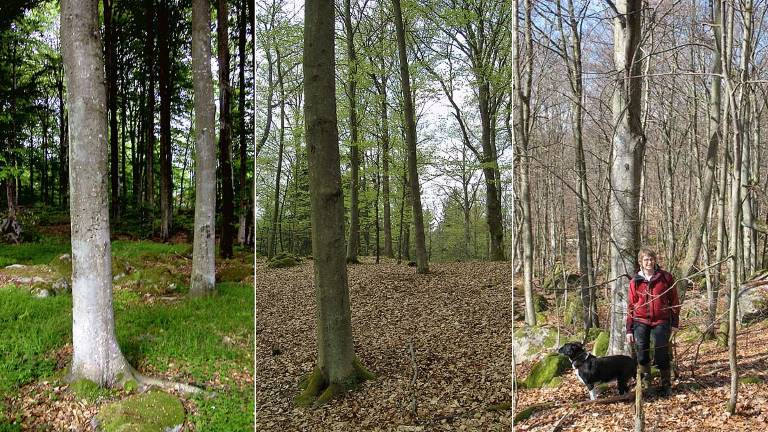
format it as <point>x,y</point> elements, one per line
<point>645,376</point>
<point>665,389</point>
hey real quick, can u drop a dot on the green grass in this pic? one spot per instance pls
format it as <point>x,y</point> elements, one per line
<point>200,337</point>
<point>31,329</point>
<point>33,253</point>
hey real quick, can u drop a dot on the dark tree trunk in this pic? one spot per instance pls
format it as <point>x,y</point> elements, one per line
<point>111,60</point>
<point>353,243</point>
<point>243,171</point>
<point>166,92</point>
<point>225,153</point>
<point>149,162</point>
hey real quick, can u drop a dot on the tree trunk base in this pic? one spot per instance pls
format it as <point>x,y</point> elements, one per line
<point>317,389</point>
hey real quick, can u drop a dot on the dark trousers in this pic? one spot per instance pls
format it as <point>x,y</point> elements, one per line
<point>660,334</point>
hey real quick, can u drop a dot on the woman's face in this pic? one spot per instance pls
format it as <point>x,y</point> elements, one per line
<point>648,263</point>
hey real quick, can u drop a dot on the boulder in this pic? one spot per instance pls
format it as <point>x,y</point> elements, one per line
<point>546,370</point>
<point>61,286</point>
<point>753,299</point>
<point>601,344</point>
<point>530,342</point>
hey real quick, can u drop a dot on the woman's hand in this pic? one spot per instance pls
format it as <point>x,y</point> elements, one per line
<point>630,338</point>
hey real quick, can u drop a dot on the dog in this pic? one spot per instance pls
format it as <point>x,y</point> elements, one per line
<point>592,370</point>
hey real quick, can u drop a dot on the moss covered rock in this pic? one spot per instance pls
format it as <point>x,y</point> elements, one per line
<point>234,273</point>
<point>283,260</point>
<point>147,412</point>
<point>601,344</point>
<point>543,372</point>
<point>540,303</point>
<point>574,311</point>
<point>62,265</point>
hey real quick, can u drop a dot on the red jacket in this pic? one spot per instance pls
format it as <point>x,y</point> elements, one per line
<point>653,302</point>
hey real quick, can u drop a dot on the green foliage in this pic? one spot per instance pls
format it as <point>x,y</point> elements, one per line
<point>750,380</point>
<point>31,329</point>
<point>146,412</point>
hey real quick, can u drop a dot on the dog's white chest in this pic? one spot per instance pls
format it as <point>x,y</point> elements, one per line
<point>576,372</point>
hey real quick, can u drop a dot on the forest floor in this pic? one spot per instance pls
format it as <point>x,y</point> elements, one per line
<point>161,332</point>
<point>457,319</point>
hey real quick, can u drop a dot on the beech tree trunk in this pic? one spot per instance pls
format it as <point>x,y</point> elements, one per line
<point>422,266</point>
<point>204,247</point>
<point>96,354</point>
<point>111,67</point>
<point>336,368</point>
<point>353,243</point>
<point>243,170</point>
<point>628,149</point>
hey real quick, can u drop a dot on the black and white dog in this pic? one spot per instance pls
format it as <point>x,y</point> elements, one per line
<point>592,370</point>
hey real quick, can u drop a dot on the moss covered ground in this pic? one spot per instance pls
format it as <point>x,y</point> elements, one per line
<point>207,342</point>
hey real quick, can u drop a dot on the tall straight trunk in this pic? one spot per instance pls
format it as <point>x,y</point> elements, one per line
<point>522,103</point>
<point>204,247</point>
<point>96,354</point>
<point>273,233</point>
<point>123,138</point>
<point>353,242</point>
<point>63,141</point>
<point>225,133</point>
<point>149,157</point>
<point>700,218</point>
<point>337,368</point>
<point>628,149</point>
<point>111,41</point>
<point>243,169</point>
<point>422,266</point>
<point>388,251</point>
<point>166,93</point>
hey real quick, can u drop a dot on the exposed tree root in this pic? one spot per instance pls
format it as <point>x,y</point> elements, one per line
<point>132,380</point>
<point>317,389</point>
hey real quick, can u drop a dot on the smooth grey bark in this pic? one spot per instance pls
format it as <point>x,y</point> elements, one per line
<point>522,87</point>
<point>96,354</point>
<point>422,266</point>
<point>204,247</point>
<point>628,149</point>
<point>336,364</point>
<point>385,189</point>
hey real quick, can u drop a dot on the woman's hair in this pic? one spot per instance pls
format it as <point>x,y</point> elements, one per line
<point>646,251</point>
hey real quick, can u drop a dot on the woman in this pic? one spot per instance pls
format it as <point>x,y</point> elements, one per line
<point>653,311</point>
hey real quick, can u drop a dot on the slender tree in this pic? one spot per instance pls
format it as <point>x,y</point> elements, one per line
<point>204,248</point>
<point>337,368</point>
<point>225,132</point>
<point>166,93</point>
<point>422,266</point>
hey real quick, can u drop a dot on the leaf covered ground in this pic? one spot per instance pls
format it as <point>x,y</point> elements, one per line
<point>456,319</point>
<point>700,391</point>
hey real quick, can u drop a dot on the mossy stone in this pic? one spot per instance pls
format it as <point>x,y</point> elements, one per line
<point>574,312</point>
<point>545,370</point>
<point>283,260</point>
<point>750,380</point>
<point>63,266</point>
<point>155,411</point>
<point>235,273</point>
<point>601,344</point>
